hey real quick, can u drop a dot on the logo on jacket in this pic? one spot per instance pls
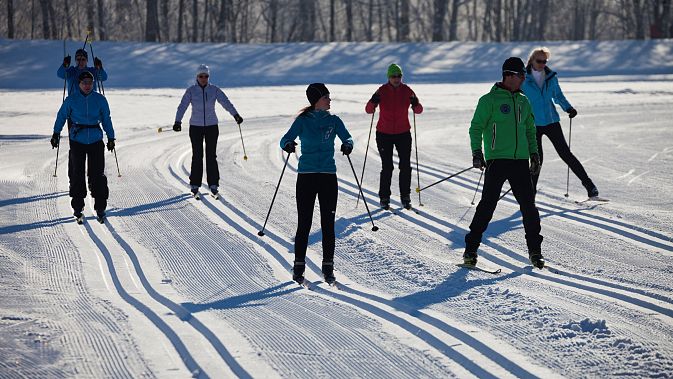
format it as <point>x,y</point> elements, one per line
<point>328,133</point>
<point>504,108</point>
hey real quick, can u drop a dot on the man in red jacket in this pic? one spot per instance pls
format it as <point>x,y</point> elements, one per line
<point>393,130</point>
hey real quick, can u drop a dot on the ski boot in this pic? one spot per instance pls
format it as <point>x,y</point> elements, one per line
<point>79,216</point>
<point>470,258</point>
<point>214,192</point>
<point>298,272</point>
<point>195,191</point>
<point>406,202</point>
<point>536,259</point>
<point>592,191</point>
<point>100,217</point>
<point>328,272</point>
<point>385,203</point>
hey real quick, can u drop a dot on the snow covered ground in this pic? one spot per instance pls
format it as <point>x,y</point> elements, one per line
<point>172,287</point>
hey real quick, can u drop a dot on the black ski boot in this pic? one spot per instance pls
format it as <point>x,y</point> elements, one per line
<point>592,191</point>
<point>79,216</point>
<point>328,272</point>
<point>406,202</point>
<point>100,216</point>
<point>470,258</point>
<point>298,272</point>
<point>385,203</point>
<point>536,259</point>
<point>214,192</point>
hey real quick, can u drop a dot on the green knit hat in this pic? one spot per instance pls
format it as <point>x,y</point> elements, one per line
<point>394,69</point>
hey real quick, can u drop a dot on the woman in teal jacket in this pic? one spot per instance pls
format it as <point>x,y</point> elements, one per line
<point>316,129</point>
<point>543,91</point>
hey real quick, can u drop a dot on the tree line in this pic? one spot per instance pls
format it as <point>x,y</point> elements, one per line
<point>271,21</point>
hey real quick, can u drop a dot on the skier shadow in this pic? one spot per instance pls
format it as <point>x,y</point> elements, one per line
<point>30,199</point>
<point>150,207</point>
<point>33,225</point>
<point>253,299</point>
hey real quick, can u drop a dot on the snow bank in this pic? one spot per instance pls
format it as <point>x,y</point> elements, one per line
<point>33,64</point>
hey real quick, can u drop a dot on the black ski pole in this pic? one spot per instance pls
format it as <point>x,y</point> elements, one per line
<point>418,173</point>
<point>119,174</point>
<point>477,189</point>
<point>99,82</point>
<point>58,147</point>
<point>448,177</point>
<point>65,81</point>
<point>362,175</point>
<point>261,232</point>
<point>374,227</point>
<point>505,194</point>
<point>570,138</point>
<point>245,156</point>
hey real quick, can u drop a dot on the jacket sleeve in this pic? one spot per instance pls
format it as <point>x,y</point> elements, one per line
<point>184,103</point>
<point>61,71</point>
<point>342,132</point>
<point>100,74</point>
<point>558,96</point>
<point>292,134</point>
<point>531,132</point>
<point>62,115</point>
<point>479,121</point>
<point>224,101</point>
<point>105,118</point>
<point>370,107</point>
<point>419,108</point>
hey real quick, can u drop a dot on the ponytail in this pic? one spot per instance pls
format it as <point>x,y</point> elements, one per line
<point>305,110</point>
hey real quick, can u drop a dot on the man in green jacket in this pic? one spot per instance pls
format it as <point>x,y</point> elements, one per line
<point>504,122</point>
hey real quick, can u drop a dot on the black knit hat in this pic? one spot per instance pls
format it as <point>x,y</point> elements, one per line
<point>513,65</point>
<point>85,75</point>
<point>315,91</point>
<point>81,52</point>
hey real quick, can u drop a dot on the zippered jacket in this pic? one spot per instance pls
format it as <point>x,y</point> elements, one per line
<point>395,103</point>
<point>543,99</point>
<point>87,111</point>
<point>317,131</point>
<point>72,75</point>
<point>503,121</point>
<point>203,100</point>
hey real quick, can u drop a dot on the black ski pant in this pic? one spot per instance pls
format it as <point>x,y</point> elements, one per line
<point>517,172</point>
<point>197,134</point>
<point>91,156</point>
<point>555,135</point>
<point>385,144</point>
<point>325,187</point>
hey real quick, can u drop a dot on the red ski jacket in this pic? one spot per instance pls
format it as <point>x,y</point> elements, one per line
<point>395,102</point>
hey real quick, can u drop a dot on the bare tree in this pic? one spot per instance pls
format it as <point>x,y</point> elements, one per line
<point>403,34</point>
<point>152,21</point>
<point>10,19</point>
<point>195,18</point>
<point>102,35</point>
<point>181,16</point>
<point>90,17</point>
<point>453,24</point>
<point>349,20</point>
<point>46,31</point>
<point>440,8</point>
<point>165,24</point>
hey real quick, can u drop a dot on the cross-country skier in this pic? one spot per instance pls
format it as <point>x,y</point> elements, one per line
<point>543,91</point>
<point>203,126</point>
<point>394,131</point>
<point>87,110</point>
<point>316,129</point>
<point>503,121</point>
<point>65,71</point>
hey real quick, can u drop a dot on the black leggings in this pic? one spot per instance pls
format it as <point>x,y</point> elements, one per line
<point>555,135</point>
<point>91,157</point>
<point>385,144</point>
<point>197,134</point>
<point>325,187</point>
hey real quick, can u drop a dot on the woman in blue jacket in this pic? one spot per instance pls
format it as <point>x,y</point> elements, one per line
<point>87,110</point>
<point>543,91</point>
<point>203,126</point>
<point>316,129</point>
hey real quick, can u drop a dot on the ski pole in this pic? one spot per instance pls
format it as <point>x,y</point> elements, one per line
<point>58,147</point>
<point>418,173</point>
<point>477,189</point>
<point>570,138</point>
<point>119,174</point>
<point>374,227</point>
<point>505,194</point>
<point>261,232</point>
<point>245,156</point>
<point>448,177</point>
<point>99,82</point>
<point>65,80</point>
<point>362,175</point>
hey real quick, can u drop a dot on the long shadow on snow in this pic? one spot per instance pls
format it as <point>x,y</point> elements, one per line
<point>243,301</point>
<point>29,199</point>
<point>150,207</point>
<point>179,310</point>
<point>33,225</point>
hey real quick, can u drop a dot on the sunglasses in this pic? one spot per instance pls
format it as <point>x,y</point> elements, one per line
<point>80,59</point>
<point>396,76</point>
<point>541,61</point>
<point>203,76</point>
<point>87,82</point>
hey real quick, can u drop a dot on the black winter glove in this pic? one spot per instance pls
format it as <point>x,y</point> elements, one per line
<point>414,101</point>
<point>177,126</point>
<point>376,98</point>
<point>238,118</point>
<point>111,144</point>
<point>66,61</point>
<point>572,112</point>
<point>97,63</point>
<point>290,147</point>
<point>478,160</point>
<point>535,165</point>
<point>346,148</point>
<point>55,138</point>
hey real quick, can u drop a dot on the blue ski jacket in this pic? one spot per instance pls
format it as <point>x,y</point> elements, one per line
<point>544,99</point>
<point>85,112</point>
<point>72,75</point>
<point>203,100</point>
<point>316,131</point>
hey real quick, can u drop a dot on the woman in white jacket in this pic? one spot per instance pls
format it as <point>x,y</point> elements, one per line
<point>203,125</point>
